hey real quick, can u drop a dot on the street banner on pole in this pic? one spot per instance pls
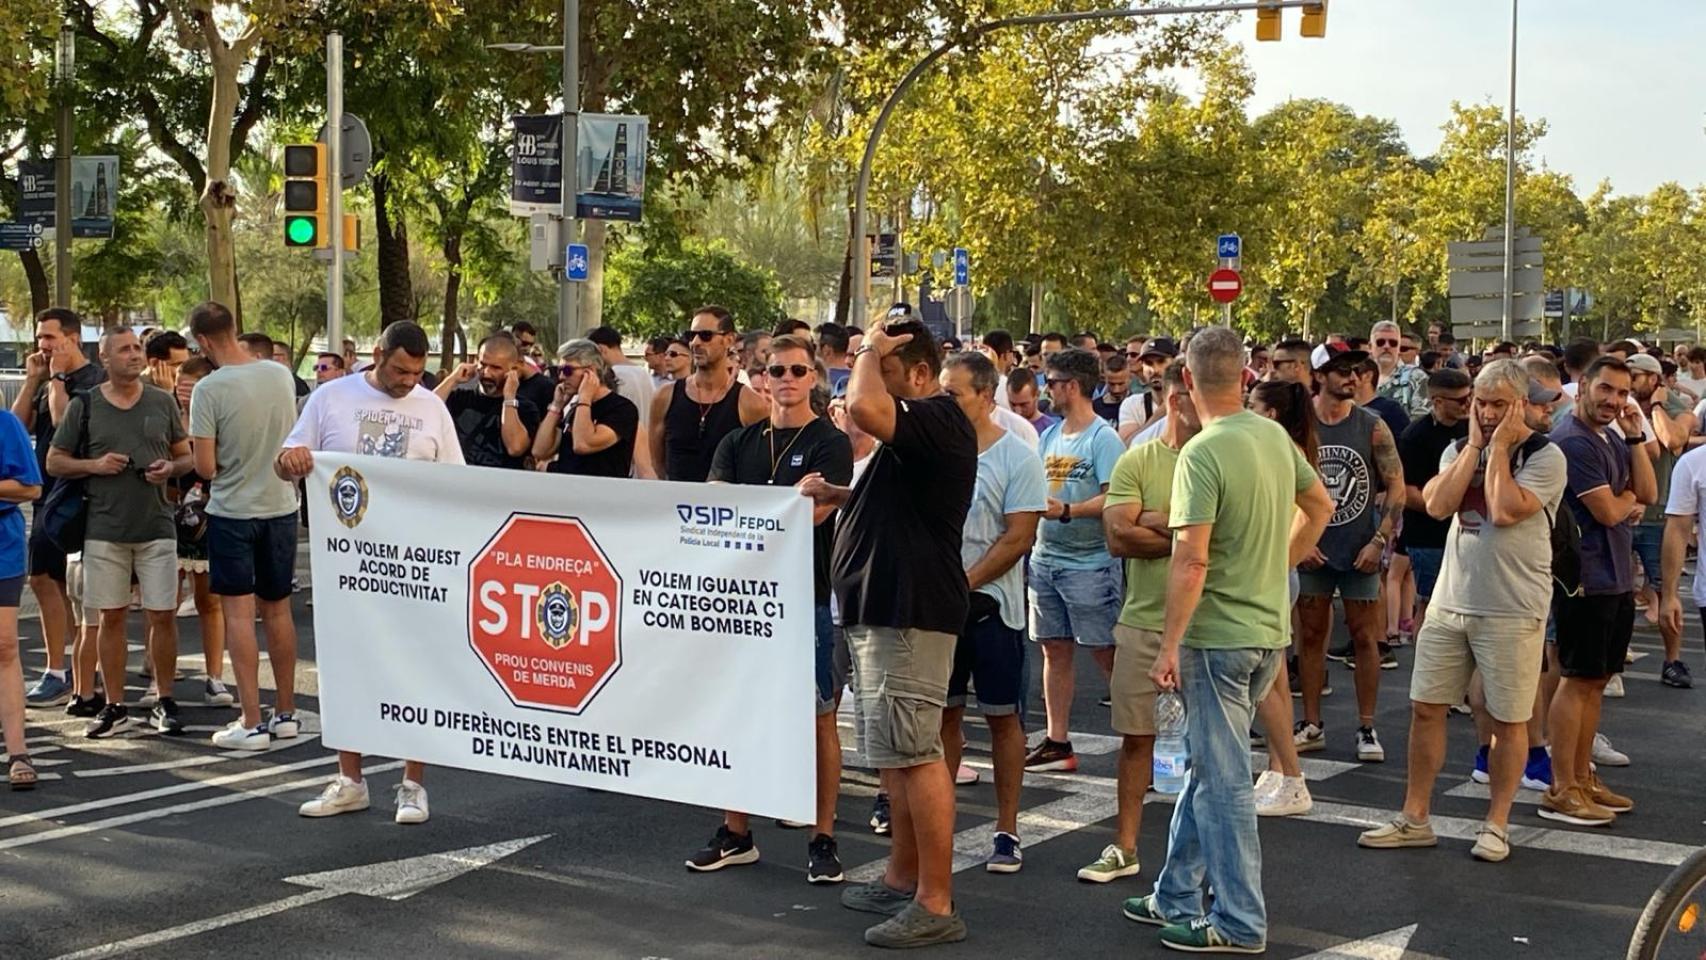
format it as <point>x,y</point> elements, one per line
<point>536,165</point>
<point>610,166</point>
<point>94,194</point>
<point>645,638</point>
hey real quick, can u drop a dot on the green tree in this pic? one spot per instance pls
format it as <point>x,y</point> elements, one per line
<point>652,291</point>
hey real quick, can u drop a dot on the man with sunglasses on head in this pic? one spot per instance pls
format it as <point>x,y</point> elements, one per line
<point>790,446</point>
<point>536,385</point>
<point>1420,446</point>
<point>690,417</point>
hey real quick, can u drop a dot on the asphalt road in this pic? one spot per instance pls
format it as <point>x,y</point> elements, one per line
<point>158,847</point>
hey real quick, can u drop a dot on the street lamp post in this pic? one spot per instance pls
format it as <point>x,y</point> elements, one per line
<point>1510,194</point>
<point>858,306</point>
<point>65,73</point>
<point>568,294</point>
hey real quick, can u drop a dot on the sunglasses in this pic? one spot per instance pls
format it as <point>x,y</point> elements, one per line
<point>676,355</point>
<point>1465,398</point>
<point>1133,354</point>
<point>799,370</point>
<point>703,336</point>
<point>1386,343</point>
<point>568,370</point>
<point>323,367</point>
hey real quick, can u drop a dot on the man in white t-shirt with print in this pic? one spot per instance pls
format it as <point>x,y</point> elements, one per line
<point>383,412</point>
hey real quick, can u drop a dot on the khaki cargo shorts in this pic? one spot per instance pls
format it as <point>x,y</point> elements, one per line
<point>900,683</point>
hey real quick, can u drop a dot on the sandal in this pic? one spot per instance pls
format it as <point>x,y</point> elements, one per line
<point>22,776</point>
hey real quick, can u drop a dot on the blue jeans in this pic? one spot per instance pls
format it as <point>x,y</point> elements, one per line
<point>1212,840</point>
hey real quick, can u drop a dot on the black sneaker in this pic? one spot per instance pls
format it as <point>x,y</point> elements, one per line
<point>880,815</point>
<point>113,719</point>
<point>165,716</point>
<point>725,850</point>
<point>87,709</point>
<point>1675,674</point>
<point>824,862</point>
<point>1051,755</point>
<point>1388,659</point>
<point>1344,653</point>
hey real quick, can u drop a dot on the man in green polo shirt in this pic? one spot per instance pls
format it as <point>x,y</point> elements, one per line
<point>1235,537</point>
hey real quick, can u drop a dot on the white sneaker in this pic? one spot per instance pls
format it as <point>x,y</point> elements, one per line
<point>187,608</point>
<point>1607,755</point>
<point>1614,687</point>
<point>152,696</point>
<point>342,795</point>
<point>283,726</point>
<point>1369,749</point>
<point>411,802</point>
<point>1290,799</point>
<point>1267,783</point>
<point>235,736</point>
<point>965,776</point>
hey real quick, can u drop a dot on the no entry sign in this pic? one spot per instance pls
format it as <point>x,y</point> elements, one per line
<point>1225,285</point>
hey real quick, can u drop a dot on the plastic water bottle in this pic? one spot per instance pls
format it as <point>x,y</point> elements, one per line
<point>1172,756</point>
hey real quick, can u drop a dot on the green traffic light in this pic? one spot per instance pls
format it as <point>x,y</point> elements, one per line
<point>299,231</point>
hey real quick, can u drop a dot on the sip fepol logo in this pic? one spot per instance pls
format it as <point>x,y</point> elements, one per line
<point>349,496</point>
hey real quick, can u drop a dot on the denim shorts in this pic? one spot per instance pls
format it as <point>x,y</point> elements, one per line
<point>1425,562</point>
<point>829,679</point>
<point>1649,547</point>
<point>251,556</point>
<point>990,654</point>
<point>1352,585</point>
<point>1077,605</point>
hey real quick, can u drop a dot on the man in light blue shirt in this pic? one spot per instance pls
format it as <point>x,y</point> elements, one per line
<point>1076,587</point>
<point>1007,503</point>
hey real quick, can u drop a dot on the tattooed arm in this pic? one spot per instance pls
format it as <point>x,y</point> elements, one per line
<point>1391,469</point>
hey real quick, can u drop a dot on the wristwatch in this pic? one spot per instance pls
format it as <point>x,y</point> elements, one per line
<point>61,377</point>
<point>516,404</point>
<point>863,350</point>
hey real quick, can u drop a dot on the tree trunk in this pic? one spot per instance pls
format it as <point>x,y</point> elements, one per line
<point>41,295</point>
<point>218,201</point>
<point>592,299</point>
<point>844,290</point>
<point>452,289</point>
<point>396,286</point>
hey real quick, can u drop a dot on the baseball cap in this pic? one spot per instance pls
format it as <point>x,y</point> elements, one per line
<point>1333,355</point>
<point>1646,363</point>
<point>1160,347</point>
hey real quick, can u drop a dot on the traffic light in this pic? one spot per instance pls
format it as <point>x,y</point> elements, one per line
<point>1315,20</point>
<point>1268,24</point>
<point>305,222</point>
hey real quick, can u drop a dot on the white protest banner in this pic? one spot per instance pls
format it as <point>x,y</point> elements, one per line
<point>637,636</point>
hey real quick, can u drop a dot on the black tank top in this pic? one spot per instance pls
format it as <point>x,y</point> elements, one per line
<point>692,431</point>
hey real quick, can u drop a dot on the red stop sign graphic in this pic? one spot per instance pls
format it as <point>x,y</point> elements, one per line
<point>544,612</point>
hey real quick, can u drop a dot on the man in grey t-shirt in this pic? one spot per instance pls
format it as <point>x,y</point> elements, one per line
<point>1501,487</point>
<point>239,417</point>
<point>126,439</point>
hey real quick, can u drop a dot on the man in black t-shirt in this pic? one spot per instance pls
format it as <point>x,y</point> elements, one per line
<point>791,444</point>
<point>903,597</point>
<point>494,424</point>
<point>55,373</point>
<point>1420,447</point>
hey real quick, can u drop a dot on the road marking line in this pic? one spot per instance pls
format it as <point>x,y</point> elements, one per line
<point>1036,825</point>
<point>30,839</point>
<point>146,940</point>
<point>1603,844</point>
<point>174,790</point>
<point>151,767</point>
<point>1470,790</point>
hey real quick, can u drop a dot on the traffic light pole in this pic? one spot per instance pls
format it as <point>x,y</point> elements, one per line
<point>862,251</point>
<point>1510,199</point>
<point>335,190</point>
<point>568,292</point>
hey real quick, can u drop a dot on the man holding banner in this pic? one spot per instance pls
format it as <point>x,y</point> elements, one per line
<point>903,596</point>
<point>384,412</point>
<point>793,444</point>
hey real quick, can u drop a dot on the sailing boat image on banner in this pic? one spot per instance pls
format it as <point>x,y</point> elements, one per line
<point>610,166</point>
